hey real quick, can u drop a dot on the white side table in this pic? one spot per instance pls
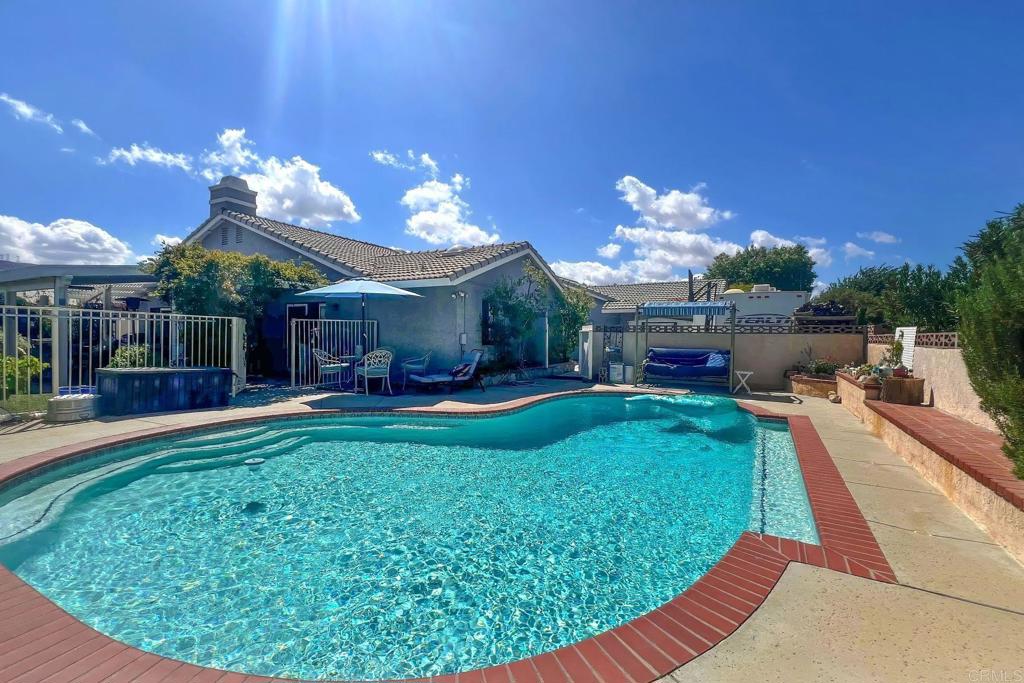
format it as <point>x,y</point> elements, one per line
<point>743,376</point>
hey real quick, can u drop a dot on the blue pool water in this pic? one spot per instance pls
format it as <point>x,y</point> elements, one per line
<point>382,547</point>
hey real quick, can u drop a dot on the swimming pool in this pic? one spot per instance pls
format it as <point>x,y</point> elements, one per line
<point>401,546</point>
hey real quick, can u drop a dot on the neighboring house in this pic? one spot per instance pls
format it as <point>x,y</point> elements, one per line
<point>449,319</point>
<point>765,305</point>
<point>621,301</point>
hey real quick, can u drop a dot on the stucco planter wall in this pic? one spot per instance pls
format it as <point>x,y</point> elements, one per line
<point>532,373</point>
<point>853,394</point>
<point>806,385</point>
<point>1001,520</point>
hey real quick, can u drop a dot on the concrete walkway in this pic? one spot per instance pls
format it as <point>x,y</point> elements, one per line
<point>957,614</point>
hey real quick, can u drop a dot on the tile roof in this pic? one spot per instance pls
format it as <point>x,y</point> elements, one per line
<point>440,263</point>
<point>626,297</point>
<point>353,254</point>
<point>383,263</point>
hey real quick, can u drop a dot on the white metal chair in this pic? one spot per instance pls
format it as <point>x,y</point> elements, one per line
<point>414,366</point>
<point>375,365</point>
<point>330,365</point>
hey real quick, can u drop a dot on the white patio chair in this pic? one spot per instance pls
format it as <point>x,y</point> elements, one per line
<point>330,365</point>
<point>376,364</point>
<point>414,366</point>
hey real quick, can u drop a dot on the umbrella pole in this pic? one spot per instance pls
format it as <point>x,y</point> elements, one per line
<point>365,340</point>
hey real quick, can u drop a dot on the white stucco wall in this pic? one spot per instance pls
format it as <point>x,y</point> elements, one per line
<point>946,383</point>
<point>767,355</point>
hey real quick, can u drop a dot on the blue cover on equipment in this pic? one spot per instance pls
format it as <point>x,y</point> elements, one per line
<point>687,363</point>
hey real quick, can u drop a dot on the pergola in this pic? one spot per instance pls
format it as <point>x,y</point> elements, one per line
<point>682,309</point>
<point>32,277</point>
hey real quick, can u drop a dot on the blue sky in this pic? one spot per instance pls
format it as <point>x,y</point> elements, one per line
<point>624,140</point>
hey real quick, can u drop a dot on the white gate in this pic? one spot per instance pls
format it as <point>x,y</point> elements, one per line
<point>48,350</point>
<point>336,338</point>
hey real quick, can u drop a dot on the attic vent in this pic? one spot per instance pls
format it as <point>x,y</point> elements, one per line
<point>453,251</point>
<point>224,235</point>
<point>238,234</point>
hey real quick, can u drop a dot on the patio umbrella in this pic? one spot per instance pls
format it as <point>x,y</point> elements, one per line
<point>362,290</point>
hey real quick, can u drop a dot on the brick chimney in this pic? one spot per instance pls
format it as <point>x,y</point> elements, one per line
<point>232,194</point>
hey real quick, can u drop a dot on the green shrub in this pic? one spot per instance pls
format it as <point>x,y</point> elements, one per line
<point>992,336</point>
<point>18,372</point>
<point>821,366</point>
<point>131,356</point>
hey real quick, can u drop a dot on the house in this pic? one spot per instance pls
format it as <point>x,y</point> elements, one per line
<point>449,318</point>
<point>617,304</point>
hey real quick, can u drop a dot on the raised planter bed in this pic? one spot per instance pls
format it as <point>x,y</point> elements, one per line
<point>819,386</point>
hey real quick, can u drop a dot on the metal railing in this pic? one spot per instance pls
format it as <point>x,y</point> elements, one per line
<point>790,328</point>
<point>48,350</point>
<point>336,338</point>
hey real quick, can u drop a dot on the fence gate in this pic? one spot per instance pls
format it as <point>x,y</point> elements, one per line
<point>336,338</point>
<point>49,350</point>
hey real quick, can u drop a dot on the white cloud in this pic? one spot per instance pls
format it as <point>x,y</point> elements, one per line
<point>822,257</point>
<point>66,240</point>
<point>657,255</point>
<point>440,215</point>
<point>879,237</point>
<point>815,245</point>
<point>427,195</point>
<point>145,154</point>
<point>23,111</point>
<point>289,189</point>
<point>386,158</point>
<point>159,240</point>
<point>674,209</point>
<point>429,164</point>
<point>68,150</point>
<point>763,238</point>
<point>592,272</point>
<point>81,126</point>
<point>853,251</point>
<point>663,243</point>
<point>232,154</point>
<point>446,224</point>
<point>292,189</point>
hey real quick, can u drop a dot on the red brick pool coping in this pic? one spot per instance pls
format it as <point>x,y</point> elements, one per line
<point>40,642</point>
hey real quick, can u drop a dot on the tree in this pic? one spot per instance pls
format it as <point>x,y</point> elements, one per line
<point>514,305</point>
<point>786,268</point>
<point>992,330</point>
<point>571,310</point>
<point>905,295</point>
<point>200,281</point>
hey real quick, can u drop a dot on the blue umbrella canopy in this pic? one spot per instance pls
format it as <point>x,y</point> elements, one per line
<point>355,289</point>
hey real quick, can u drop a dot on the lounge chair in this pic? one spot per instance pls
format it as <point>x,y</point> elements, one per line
<point>414,366</point>
<point>465,373</point>
<point>375,365</point>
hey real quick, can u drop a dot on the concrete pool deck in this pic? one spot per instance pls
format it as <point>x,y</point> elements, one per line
<point>955,614</point>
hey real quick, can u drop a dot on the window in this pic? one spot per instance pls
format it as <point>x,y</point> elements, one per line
<point>485,324</point>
